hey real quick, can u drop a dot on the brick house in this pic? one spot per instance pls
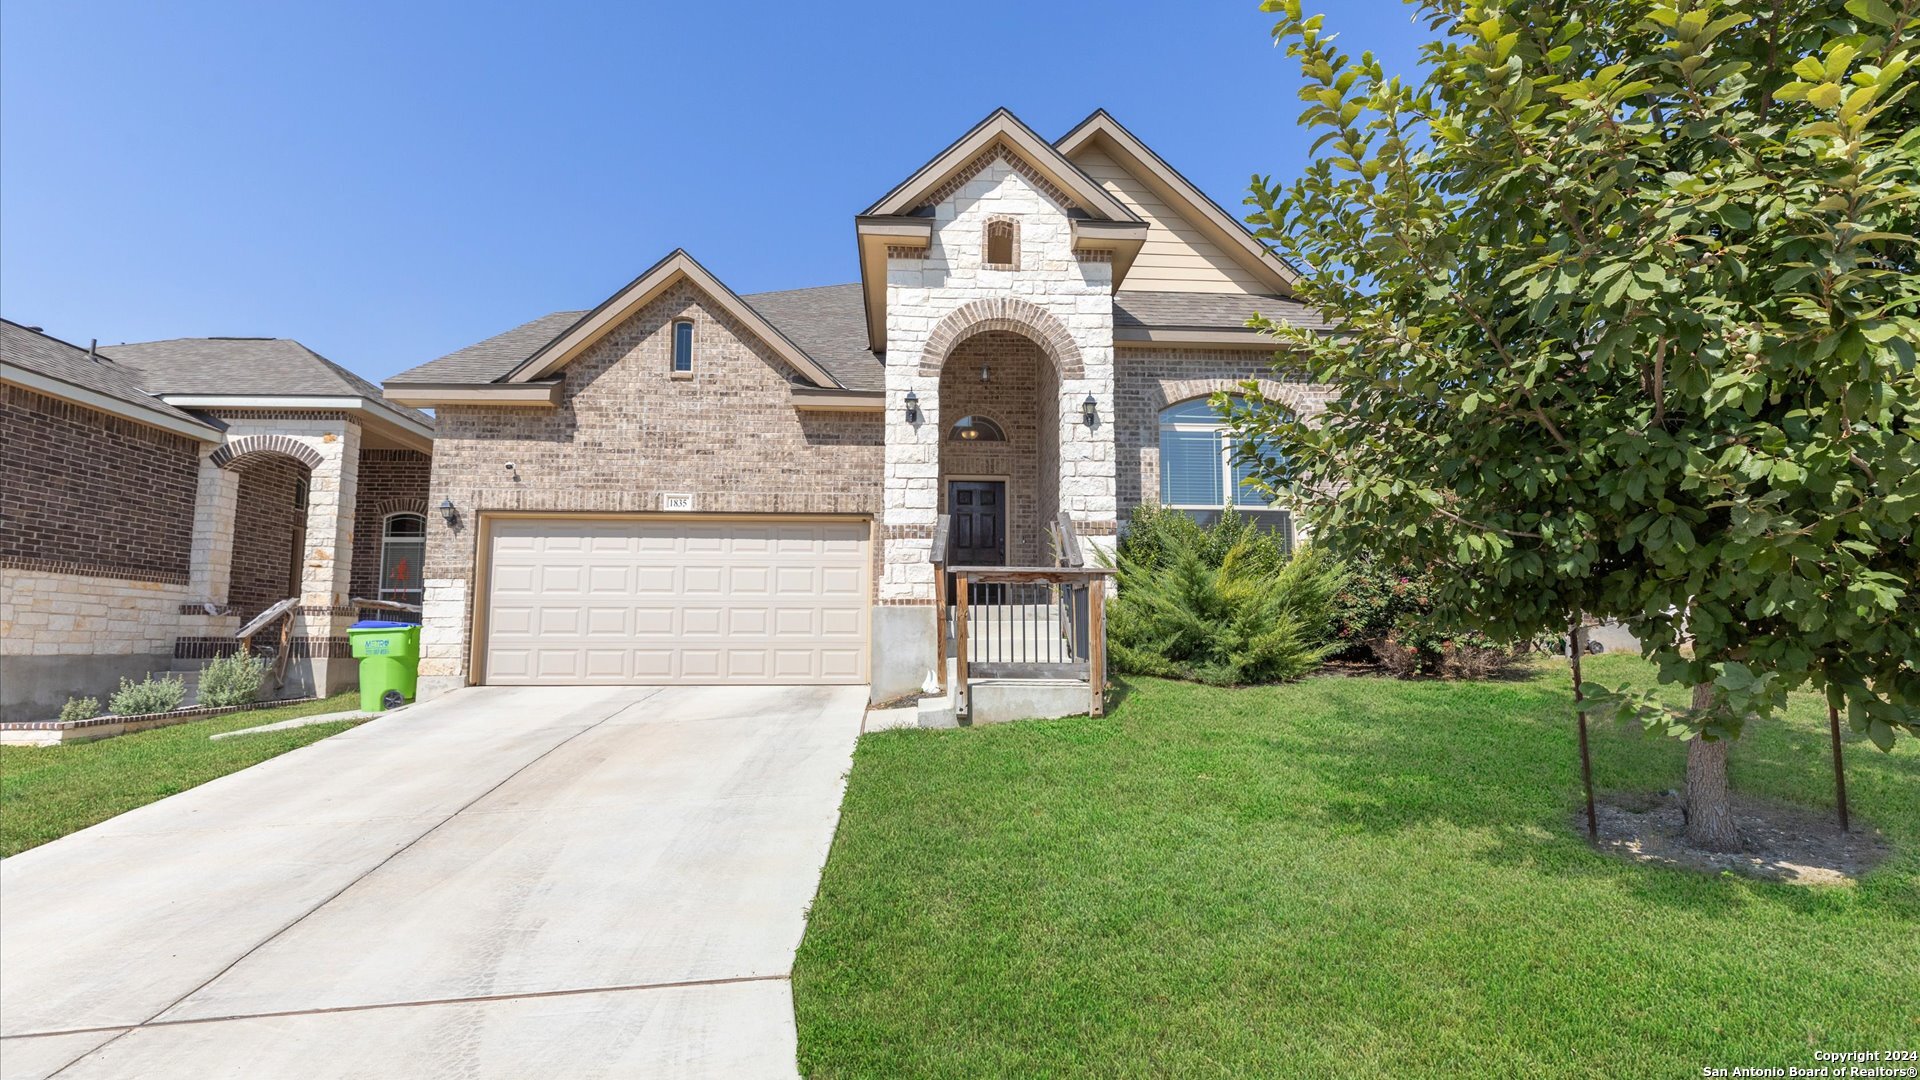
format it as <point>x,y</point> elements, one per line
<point>687,484</point>
<point>154,497</point>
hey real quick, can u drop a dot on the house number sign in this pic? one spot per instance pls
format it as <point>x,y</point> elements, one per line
<point>670,501</point>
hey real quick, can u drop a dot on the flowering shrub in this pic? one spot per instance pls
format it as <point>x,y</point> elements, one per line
<point>1386,614</point>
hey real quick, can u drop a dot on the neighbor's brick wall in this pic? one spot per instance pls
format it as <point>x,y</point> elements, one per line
<point>1148,380</point>
<point>625,432</point>
<point>1021,377</point>
<point>391,481</point>
<point>267,528</point>
<point>86,491</point>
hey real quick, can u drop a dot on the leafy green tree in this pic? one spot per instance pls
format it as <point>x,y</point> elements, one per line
<point>1627,302</point>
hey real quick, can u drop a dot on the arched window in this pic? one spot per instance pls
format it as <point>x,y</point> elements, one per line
<point>975,429</point>
<point>683,347</point>
<point>1003,247</point>
<point>1199,468</point>
<point>403,547</point>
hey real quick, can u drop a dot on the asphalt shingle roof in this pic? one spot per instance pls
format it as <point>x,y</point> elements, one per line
<point>490,360</point>
<point>33,351</point>
<point>1208,311</point>
<point>245,366</point>
<point>829,324</point>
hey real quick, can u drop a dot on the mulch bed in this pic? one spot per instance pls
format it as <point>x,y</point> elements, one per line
<point>1779,843</point>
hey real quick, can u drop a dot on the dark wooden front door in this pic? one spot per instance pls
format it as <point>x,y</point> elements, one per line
<point>977,522</point>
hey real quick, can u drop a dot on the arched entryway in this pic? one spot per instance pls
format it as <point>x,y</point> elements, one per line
<point>1001,365</point>
<point>998,449</point>
<point>271,502</point>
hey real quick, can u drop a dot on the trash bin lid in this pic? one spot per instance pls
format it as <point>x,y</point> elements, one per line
<point>379,624</point>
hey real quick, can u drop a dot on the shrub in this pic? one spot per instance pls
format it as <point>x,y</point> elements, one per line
<point>232,680</point>
<point>151,696</point>
<point>1155,534</point>
<point>1374,602</point>
<point>79,708</point>
<point>1192,605</point>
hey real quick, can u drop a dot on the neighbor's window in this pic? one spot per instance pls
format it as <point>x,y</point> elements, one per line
<point>1198,469</point>
<point>683,346</point>
<point>975,429</point>
<point>403,547</point>
<point>1000,243</point>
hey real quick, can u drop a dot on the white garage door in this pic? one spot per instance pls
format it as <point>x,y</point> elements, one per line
<point>682,600</point>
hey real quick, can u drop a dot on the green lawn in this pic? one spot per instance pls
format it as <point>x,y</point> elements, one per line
<point>1342,877</point>
<point>47,792</point>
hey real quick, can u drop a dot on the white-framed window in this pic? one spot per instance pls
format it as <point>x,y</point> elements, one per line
<point>403,547</point>
<point>683,346</point>
<point>1198,469</point>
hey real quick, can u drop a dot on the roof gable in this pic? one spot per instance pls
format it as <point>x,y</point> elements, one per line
<point>643,290</point>
<point>1192,243</point>
<point>1001,133</point>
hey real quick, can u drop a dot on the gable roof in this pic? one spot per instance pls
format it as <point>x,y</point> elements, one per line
<point>655,280</point>
<point>1188,200</point>
<point>826,322</point>
<point>1004,129</point>
<point>246,367</point>
<point>49,365</point>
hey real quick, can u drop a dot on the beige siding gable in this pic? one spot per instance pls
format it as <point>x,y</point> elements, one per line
<point>1177,256</point>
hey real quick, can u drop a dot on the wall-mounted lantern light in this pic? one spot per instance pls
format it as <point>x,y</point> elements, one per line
<point>913,407</point>
<point>986,375</point>
<point>449,512</point>
<point>1090,411</point>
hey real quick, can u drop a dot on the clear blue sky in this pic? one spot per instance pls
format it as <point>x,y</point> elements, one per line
<point>387,182</point>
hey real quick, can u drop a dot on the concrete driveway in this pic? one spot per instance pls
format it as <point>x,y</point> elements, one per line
<point>527,882</point>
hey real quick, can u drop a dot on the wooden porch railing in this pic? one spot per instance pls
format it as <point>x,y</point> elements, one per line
<point>1037,622</point>
<point>1043,622</point>
<point>284,611</point>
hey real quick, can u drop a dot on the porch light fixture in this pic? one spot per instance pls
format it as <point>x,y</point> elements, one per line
<point>913,407</point>
<point>449,512</point>
<point>985,375</point>
<point>1090,411</point>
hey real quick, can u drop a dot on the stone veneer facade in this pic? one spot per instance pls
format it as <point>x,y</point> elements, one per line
<point>627,430</point>
<point>939,297</point>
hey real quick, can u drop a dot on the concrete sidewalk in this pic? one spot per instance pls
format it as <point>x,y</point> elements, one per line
<point>526,882</point>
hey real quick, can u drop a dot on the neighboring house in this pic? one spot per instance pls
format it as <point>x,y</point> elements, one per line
<point>154,497</point>
<point>686,484</point>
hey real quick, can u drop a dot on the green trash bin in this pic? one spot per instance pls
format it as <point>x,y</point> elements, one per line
<point>389,655</point>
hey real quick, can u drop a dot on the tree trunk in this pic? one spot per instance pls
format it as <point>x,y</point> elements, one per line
<point>1709,805</point>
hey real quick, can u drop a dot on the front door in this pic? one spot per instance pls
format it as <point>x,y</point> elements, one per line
<point>977,522</point>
